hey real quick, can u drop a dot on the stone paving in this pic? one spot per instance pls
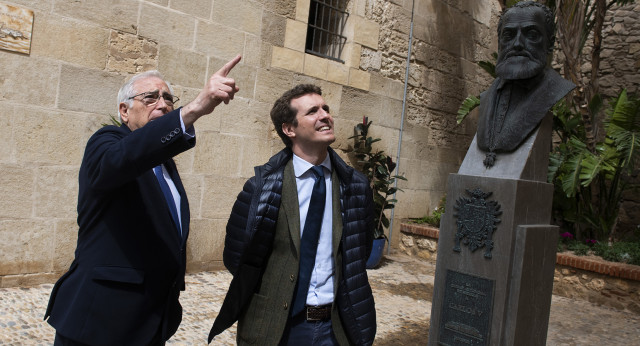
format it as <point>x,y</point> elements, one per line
<point>402,288</point>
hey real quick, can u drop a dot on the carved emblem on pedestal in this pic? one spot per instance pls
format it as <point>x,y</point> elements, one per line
<point>476,219</point>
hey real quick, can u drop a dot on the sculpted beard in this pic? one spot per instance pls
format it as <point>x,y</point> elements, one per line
<point>520,65</point>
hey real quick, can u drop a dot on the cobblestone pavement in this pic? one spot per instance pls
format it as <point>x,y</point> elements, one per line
<point>402,288</point>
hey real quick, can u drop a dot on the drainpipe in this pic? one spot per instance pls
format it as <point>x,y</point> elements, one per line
<point>404,107</point>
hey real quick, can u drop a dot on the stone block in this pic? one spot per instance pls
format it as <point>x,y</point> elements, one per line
<point>272,83</point>
<point>159,2</point>
<point>28,80</point>
<point>56,192</point>
<point>16,187</point>
<point>205,245</point>
<point>68,40</point>
<point>255,152</point>
<point>218,40</point>
<point>273,28</point>
<point>115,14</point>
<point>253,51</point>
<point>196,8</point>
<point>26,246</point>
<point>184,162</point>
<point>182,67</point>
<point>287,59</point>
<point>366,32</point>
<point>386,87</point>
<point>8,149</point>
<point>130,53</point>
<point>51,137</point>
<point>351,54</point>
<point>357,103</point>
<point>219,196</point>
<point>315,66</point>
<point>241,15</point>
<point>88,90</point>
<point>245,117</point>
<point>166,26</point>
<point>34,4</point>
<point>295,37</point>
<point>338,73</point>
<point>218,154</point>
<point>302,10</point>
<point>64,243</point>
<point>359,79</point>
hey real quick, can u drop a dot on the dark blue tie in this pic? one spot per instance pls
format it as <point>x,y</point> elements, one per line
<point>168,196</point>
<point>309,241</point>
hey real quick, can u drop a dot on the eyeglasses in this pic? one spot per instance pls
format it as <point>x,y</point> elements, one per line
<point>150,98</point>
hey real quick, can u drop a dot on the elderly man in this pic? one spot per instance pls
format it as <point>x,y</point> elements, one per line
<point>298,239</point>
<point>526,88</point>
<point>123,286</point>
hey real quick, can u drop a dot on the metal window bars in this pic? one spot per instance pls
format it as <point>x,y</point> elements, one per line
<point>327,19</point>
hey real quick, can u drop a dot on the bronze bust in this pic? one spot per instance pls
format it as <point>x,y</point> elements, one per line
<point>525,88</point>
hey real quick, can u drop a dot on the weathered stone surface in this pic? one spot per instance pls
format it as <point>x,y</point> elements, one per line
<point>296,35</point>
<point>39,140</point>
<point>219,195</point>
<point>64,242</point>
<point>56,192</point>
<point>206,242</point>
<point>16,185</point>
<point>88,90</point>
<point>287,59</point>
<point>196,8</point>
<point>26,246</point>
<point>219,40</point>
<point>28,80</point>
<point>131,53</point>
<point>70,41</point>
<point>115,14</point>
<point>218,153</point>
<point>192,66</point>
<point>315,66</point>
<point>273,29</point>
<point>241,15</point>
<point>165,26</point>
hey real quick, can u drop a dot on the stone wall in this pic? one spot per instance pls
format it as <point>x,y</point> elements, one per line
<point>54,98</point>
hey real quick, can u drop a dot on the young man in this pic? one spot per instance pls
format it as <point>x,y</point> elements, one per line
<point>124,283</point>
<point>298,239</point>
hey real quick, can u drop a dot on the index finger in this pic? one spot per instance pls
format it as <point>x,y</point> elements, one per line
<point>224,71</point>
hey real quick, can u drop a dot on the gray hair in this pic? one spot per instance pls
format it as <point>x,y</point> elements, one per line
<point>127,90</point>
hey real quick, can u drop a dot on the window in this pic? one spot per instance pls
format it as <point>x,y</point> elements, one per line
<point>327,19</point>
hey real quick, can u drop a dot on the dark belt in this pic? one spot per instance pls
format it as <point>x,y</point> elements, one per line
<point>317,313</point>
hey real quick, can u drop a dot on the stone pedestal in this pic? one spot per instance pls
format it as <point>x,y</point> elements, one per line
<point>496,250</point>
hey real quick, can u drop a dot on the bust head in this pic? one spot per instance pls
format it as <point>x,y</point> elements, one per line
<point>525,38</point>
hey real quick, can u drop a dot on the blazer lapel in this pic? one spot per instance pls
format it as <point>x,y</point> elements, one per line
<point>336,212</point>
<point>291,206</point>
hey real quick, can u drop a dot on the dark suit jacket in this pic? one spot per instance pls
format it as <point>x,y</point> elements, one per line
<point>123,285</point>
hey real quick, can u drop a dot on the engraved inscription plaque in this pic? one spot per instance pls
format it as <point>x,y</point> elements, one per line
<point>466,310</point>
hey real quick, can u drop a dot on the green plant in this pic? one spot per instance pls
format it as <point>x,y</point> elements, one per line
<point>589,185</point>
<point>435,217</point>
<point>626,252</point>
<point>114,121</point>
<point>378,167</point>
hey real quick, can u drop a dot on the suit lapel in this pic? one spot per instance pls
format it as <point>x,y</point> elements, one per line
<point>291,206</point>
<point>336,212</point>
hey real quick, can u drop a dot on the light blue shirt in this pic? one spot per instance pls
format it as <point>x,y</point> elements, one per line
<point>321,284</point>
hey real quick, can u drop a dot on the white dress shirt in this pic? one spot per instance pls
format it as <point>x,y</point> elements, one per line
<point>321,283</point>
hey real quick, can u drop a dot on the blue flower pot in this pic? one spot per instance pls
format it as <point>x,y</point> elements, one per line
<point>376,253</point>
